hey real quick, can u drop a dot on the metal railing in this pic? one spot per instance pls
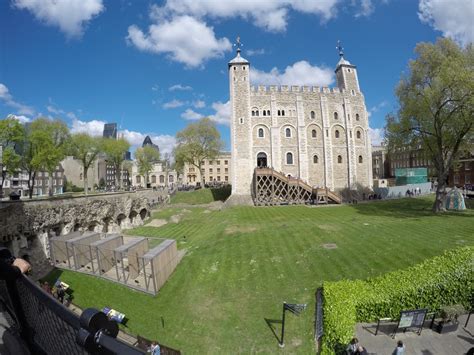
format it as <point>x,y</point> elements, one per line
<point>47,327</point>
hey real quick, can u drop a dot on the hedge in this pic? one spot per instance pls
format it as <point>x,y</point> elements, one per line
<point>442,280</point>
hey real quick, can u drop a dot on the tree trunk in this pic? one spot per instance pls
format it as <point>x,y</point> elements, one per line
<point>31,183</point>
<point>50,184</point>
<point>438,205</point>
<point>1,186</point>
<point>86,181</point>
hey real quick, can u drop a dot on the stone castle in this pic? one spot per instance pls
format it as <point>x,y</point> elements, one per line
<point>319,135</point>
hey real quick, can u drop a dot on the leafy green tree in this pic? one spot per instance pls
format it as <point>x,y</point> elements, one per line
<point>115,150</point>
<point>86,149</point>
<point>49,140</point>
<point>198,141</point>
<point>11,136</point>
<point>436,107</point>
<point>145,158</point>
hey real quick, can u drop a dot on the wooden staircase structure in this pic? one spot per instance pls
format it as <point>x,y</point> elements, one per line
<point>271,187</point>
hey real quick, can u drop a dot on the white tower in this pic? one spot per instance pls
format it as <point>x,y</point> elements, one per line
<point>242,168</point>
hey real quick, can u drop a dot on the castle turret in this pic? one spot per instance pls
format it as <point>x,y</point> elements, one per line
<point>240,124</point>
<point>346,74</point>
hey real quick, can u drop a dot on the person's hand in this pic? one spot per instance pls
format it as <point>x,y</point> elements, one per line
<point>23,265</point>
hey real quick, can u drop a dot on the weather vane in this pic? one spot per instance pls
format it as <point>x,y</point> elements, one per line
<point>340,49</point>
<point>238,44</point>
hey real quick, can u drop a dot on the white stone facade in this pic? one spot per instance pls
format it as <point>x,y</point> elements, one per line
<point>320,135</point>
<point>158,177</point>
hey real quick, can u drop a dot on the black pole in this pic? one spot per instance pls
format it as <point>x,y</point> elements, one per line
<point>282,343</point>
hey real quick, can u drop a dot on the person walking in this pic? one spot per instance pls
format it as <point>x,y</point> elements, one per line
<point>400,349</point>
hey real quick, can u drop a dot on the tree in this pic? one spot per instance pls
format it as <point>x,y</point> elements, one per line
<point>115,150</point>
<point>49,139</point>
<point>85,148</point>
<point>436,107</point>
<point>11,136</point>
<point>196,142</point>
<point>146,157</point>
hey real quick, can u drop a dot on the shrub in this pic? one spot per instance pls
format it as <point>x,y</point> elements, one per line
<point>442,280</point>
<point>451,313</point>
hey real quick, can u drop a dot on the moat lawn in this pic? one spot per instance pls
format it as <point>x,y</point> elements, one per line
<point>243,262</point>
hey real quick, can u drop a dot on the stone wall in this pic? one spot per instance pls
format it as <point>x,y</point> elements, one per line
<point>26,226</point>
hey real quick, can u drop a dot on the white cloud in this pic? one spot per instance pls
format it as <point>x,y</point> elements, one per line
<point>366,8</point>
<point>253,52</point>
<point>8,100</point>
<point>71,16</point>
<point>180,87</point>
<point>94,127</point>
<point>191,115</point>
<point>222,114</point>
<point>183,38</point>
<point>454,18</point>
<point>377,108</point>
<point>300,73</point>
<point>270,15</point>
<point>173,104</point>
<point>155,87</point>
<point>165,142</point>
<point>199,104</point>
<point>376,135</point>
<point>21,118</point>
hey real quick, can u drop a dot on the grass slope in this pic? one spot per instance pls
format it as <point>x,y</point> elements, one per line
<point>242,263</point>
<point>201,196</point>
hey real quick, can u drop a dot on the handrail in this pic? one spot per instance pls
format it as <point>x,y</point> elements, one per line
<point>48,327</point>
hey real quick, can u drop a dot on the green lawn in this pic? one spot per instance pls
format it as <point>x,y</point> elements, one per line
<point>201,196</point>
<point>242,263</point>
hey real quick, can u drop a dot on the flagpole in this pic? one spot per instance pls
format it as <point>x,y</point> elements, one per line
<point>282,343</point>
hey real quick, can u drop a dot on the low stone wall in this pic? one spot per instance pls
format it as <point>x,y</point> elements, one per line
<point>27,225</point>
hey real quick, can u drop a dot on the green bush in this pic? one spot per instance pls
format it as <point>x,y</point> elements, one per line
<point>442,280</point>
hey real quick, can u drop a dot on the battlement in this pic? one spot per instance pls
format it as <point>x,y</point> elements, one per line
<point>295,89</point>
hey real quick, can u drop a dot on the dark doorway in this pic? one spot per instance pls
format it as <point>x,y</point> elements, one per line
<point>262,160</point>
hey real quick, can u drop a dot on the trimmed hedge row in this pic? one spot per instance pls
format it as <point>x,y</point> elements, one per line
<point>442,280</point>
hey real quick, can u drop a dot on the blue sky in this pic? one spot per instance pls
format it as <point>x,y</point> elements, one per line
<point>153,67</point>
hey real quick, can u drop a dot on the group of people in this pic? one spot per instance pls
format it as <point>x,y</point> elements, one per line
<point>413,192</point>
<point>58,291</point>
<point>354,348</point>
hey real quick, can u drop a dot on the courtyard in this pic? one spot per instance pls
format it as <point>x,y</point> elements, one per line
<point>241,263</point>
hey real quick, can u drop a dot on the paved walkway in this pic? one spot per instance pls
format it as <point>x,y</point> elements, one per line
<point>428,343</point>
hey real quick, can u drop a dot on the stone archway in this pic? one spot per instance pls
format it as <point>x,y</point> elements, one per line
<point>143,214</point>
<point>262,160</point>
<point>120,219</point>
<point>133,217</point>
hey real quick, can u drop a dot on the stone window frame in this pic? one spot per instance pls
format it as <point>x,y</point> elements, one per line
<point>339,159</point>
<point>312,115</point>
<point>336,115</point>
<point>358,134</point>
<point>337,134</point>
<point>361,159</point>
<point>314,134</point>
<point>315,159</point>
<point>357,117</point>
<point>260,133</point>
<point>288,132</point>
<point>291,156</point>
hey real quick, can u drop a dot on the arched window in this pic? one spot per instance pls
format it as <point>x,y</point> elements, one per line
<point>283,112</point>
<point>360,159</point>
<point>313,115</point>
<point>153,179</point>
<point>162,179</point>
<point>337,133</point>
<point>339,159</point>
<point>313,133</point>
<point>358,134</point>
<point>171,178</point>
<point>256,113</point>
<point>336,116</point>
<point>264,112</point>
<point>253,113</point>
<point>260,133</point>
<point>315,159</point>
<point>288,133</point>
<point>289,158</point>
<point>279,113</point>
<point>268,112</point>
<point>357,117</point>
